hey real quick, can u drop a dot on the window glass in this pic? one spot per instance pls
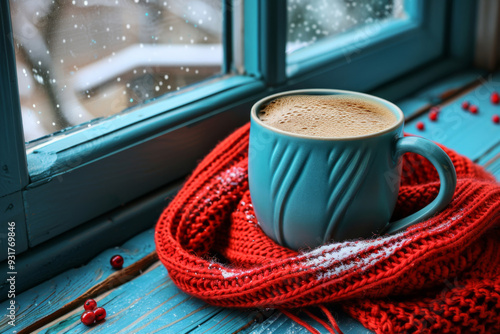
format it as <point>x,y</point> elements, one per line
<point>310,21</point>
<point>80,60</point>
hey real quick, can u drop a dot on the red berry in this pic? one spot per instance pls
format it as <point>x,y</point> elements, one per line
<point>116,261</point>
<point>88,318</point>
<point>433,115</point>
<point>496,119</point>
<point>100,314</point>
<point>473,109</point>
<point>495,98</point>
<point>465,105</point>
<point>89,305</point>
<point>420,125</point>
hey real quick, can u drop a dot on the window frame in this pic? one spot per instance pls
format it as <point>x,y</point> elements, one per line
<point>419,41</point>
<point>85,175</point>
<point>325,52</point>
<point>13,166</point>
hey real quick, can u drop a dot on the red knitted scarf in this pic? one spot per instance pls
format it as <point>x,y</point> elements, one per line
<point>441,275</point>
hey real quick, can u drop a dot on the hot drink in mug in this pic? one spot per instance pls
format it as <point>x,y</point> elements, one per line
<point>319,162</point>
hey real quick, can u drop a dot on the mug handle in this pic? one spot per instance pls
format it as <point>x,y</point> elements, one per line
<point>446,172</point>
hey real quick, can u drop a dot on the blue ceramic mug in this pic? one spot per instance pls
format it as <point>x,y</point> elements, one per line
<point>307,191</point>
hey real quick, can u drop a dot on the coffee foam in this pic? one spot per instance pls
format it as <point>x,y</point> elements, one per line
<point>330,116</point>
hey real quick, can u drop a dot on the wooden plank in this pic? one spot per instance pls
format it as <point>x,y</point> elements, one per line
<point>47,297</point>
<point>12,209</point>
<point>469,134</point>
<point>151,304</point>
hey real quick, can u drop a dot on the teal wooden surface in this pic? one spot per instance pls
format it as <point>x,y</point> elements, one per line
<point>469,134</point>
<point>435,92</point>
<point>52,294</point>
<point>151,304</point>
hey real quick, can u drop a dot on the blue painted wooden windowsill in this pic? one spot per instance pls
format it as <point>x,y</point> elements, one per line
<point>149,302</point>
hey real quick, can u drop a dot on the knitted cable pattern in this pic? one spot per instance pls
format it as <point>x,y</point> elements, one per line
<point>441,275</point>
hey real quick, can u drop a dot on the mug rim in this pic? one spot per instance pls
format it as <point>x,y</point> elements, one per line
<point>310,91</point>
